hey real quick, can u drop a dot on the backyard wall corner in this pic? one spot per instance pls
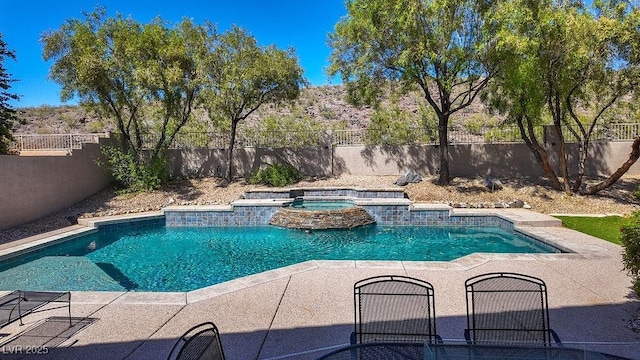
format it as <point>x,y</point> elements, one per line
<point>37,186</point>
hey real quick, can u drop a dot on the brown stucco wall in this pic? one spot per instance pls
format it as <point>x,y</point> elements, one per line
<point>36,186</point>
<point>465,160</point>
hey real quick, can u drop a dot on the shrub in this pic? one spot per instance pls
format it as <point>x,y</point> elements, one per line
<point>275,175</point>
<point>132,176</point>
<point>95,126</point>
<point>631,242</point>
<point>395,126</point>
<point>295,130</point>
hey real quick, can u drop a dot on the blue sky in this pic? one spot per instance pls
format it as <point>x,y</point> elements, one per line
<point>299,24</point>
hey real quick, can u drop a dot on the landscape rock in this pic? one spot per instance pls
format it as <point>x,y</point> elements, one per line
<point>401,181</point>
<point>326,219</point>
<point>411,177</point>
<point>492,184</point>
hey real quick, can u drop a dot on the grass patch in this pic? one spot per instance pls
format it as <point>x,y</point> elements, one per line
<point>606,228</point>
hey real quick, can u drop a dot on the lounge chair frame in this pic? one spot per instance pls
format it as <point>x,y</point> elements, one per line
<point>200,342</point>
<point>18,304</point>
<point>393,308</point>
<point>507,308</point>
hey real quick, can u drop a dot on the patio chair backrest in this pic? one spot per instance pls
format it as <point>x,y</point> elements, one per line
<point>394,309</point>
<point>507,308</point>
<point>199,343</point>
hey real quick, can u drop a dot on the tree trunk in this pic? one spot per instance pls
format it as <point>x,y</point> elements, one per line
<point>633,157</point>
<point>563,159</point>
<point>583,147</point>
<point>542,158</point>
<point>232,141</point>
<point>443,141</point>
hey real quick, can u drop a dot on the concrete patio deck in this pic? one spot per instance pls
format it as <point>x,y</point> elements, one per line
<point>306,310</point>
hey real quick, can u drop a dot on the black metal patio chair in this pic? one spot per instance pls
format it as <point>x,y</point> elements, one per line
<point>394,308</point>
<point>198,343</point>
<point>18,304</point>
<point>507,308</point>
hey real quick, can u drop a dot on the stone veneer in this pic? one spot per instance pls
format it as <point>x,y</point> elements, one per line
<point>321,219</point>
<point>386,207</point>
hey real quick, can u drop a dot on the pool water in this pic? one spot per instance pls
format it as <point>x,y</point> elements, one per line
<point>184,259</point>
<point>322,204</point>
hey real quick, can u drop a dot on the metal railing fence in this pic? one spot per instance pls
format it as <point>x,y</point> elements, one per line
<point>53,142</point>
<point>508,134</point>
<point>456,134</point>
<point>621,132</point>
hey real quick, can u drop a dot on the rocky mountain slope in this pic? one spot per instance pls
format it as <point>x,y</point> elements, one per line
<point>324,104</point>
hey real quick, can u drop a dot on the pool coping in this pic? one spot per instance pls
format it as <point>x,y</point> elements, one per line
<point>536,225</point>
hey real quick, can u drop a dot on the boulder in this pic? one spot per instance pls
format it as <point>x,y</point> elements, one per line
<point>410,177</point>
<point>492,184</point>
<point>401,181</point>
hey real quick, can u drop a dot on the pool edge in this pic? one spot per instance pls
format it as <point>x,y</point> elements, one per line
<point>534,224</point>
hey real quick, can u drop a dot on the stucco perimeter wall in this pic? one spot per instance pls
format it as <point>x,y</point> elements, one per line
<point>36,186</point>
<point>314,161</point>
<point>474,160</point>
<point>466,160</point>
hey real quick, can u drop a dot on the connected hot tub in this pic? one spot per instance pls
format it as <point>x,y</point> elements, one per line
<point>320,213</point>
<point>315,204</point>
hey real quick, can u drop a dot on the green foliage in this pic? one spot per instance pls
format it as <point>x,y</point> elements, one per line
<point>277,175</point>
<point>478,122</point>
<point>145,76</point>
<point>429,123</point>
<point>437,46</point>
<point>491,130</point>
<point>43,111</point>
<point>327,113</point>
<point>241,76</point>
<point>631,242</point>
<point>134,175</point>
<point>606,228</point>
<point>395,126</point>
<point>96,126</point>
<point>70,121</point>
<point>573,61</point>
<point>7,112</point>
<point>502,134</point>
<point>295,130</point>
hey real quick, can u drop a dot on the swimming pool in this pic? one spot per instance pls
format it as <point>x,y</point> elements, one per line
<point>163,259</point>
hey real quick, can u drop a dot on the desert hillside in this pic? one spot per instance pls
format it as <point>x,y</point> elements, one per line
<point>324,104</point>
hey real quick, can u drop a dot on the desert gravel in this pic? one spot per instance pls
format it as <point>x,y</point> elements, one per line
<point>471,192</point>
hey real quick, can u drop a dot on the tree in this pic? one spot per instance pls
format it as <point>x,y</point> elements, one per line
<point>243,76</point>
<point>146,77</point>
<point>7,113</point>
<point>568,62</point>
<point>435,44</point>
